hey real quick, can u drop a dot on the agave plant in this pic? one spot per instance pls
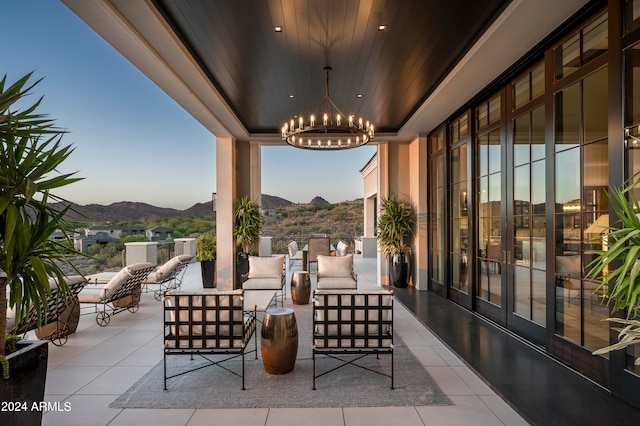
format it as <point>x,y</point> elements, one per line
<point>618,265</point>
<point>30,154</point>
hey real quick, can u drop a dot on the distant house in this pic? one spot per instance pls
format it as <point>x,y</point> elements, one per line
<point>83,244</point>
<point>159,233</point>
<point>114,231</point>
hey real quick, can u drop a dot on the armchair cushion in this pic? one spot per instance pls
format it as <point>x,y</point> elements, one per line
<point>262,284</point>
<point>335,267</point>
<point>265,267</point>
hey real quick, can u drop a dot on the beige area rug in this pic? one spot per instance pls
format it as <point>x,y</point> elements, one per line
<point>349,386</point>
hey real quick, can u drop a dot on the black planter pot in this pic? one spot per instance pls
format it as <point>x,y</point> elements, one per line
<point>208,268</point>
<point>242,267</point>
<point>25,386</point>
<point>399,270</point>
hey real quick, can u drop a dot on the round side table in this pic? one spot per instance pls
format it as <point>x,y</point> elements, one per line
<point>279,342</point>
<point>300,287</point>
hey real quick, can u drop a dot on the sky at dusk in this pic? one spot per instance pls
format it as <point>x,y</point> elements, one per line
<point>132,141</point>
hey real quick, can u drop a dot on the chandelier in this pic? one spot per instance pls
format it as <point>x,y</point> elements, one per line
<point>327,128</point>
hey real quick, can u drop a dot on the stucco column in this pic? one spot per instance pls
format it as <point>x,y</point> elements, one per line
<point>419,194</point>
<point>383,191</point>
<point>226,182</point>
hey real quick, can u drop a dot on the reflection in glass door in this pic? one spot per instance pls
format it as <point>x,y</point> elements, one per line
<point>459,130</point>
<point>529,223</point>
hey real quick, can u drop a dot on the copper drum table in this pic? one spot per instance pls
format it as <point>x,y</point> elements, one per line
<point>300,287</point>
<point>279,340</point>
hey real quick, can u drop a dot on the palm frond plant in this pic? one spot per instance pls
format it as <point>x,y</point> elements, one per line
<point>248,223</point>
<point>617,265</point>
<point>30,155</point>
<point>395,221</point>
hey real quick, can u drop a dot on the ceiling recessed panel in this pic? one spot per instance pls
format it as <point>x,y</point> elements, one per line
<point>268,76</point>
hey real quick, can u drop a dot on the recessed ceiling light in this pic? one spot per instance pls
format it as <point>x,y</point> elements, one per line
<point>292,96</point>
<point>277,28</point>
<point>382,27</point>
<point>359,95</point>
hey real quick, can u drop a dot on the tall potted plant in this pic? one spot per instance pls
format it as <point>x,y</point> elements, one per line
<point>617,266</point>
<point>246,232</point>
<point>30,154</point>
<point>206,252</point>
<point>394,223</point>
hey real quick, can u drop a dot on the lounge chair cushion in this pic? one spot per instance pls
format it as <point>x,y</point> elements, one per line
<point>170,266</point>
<point>265,267</point>
<point>335,267</point>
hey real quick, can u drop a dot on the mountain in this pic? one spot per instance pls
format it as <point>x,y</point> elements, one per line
<point>127,211</point>
<point>319,201</point>
<point>272,202</point>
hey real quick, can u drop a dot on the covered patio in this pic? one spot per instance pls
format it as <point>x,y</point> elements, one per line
<point>98,364</point>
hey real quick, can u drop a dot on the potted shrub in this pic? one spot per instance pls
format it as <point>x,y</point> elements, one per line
<point>617,266</point>
<point>206,252</point>
<point>30,154</point>
<point>393,225</point>
<point>246,232</point>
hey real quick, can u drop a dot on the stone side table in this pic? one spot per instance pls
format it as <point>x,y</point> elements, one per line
<point>300,287</point>
<point>279,341</point>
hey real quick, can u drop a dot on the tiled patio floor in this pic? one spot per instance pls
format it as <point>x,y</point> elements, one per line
<point>99,363</point>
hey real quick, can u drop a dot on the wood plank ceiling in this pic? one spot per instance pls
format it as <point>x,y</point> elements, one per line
<point>266,77</point>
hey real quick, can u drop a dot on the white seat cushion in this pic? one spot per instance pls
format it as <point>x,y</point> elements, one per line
<point>266,267</point>
<point>262,284</point>
<point>335,267</point>
<point>337,283</point>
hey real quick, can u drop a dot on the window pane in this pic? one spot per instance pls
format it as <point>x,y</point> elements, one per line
<point>483,116</point>
<point>494,110</point>
<point>595,41</point>
<point>537,82</point>
<point>521,190</point>
<point>567,117</point>
<point>521,91</point>
<point>537,134</point>
<point>631,15</point>
<point>632,88</point>
<point>521,140</point>
<point>595,95</point>
<point>539,297</point>
<point>538,188</point>
<point>568,180</point>
<point>567,57</point>
<point>495,156</point>
<point>483,155</point>
<point>522,291</point>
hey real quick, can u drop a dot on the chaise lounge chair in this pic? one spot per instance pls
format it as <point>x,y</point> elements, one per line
<point>59,316</point>
<point>168,276</point>
<point>121,293</point>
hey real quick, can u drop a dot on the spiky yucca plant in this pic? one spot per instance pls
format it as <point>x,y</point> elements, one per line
<point>618,265</point>
<point>30,154</point>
